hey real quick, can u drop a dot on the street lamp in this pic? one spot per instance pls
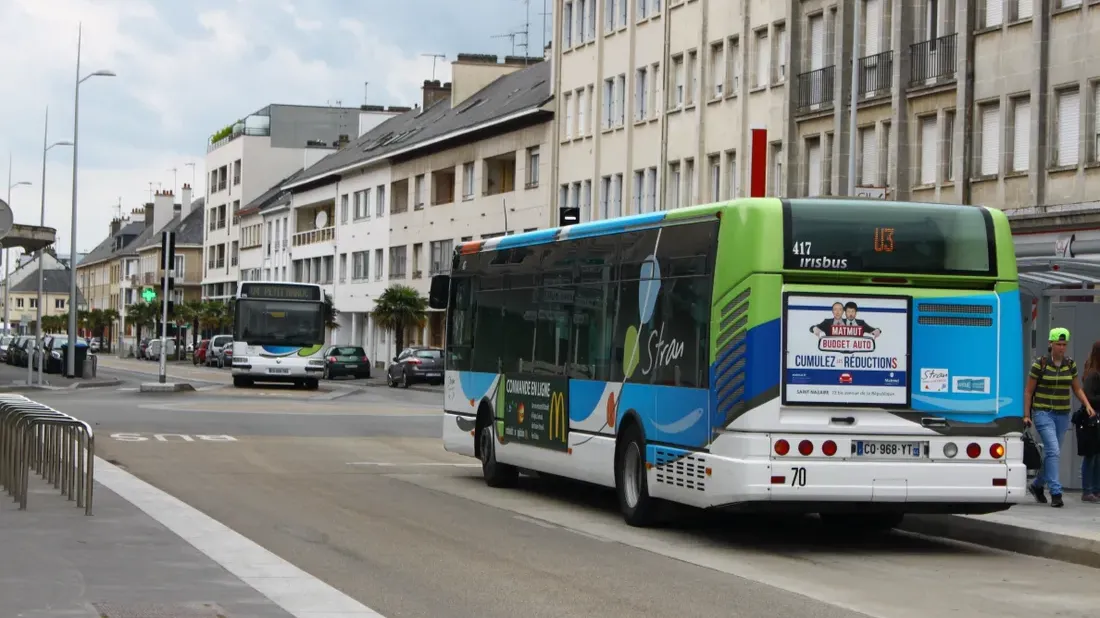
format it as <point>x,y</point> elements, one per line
<point>42,251</point>
<point>70,365</point>
<point>7,296</point>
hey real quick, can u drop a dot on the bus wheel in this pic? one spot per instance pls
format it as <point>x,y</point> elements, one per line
<point>496,474</point>
<point>631,482</point>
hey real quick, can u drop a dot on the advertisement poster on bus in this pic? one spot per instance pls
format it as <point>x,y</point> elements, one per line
<point>846,350</point>
<point>536,410</point>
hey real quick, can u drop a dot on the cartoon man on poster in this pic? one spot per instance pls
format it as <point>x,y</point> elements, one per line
<point>844,323</point>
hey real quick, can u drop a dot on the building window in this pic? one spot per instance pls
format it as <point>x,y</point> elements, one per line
<point>651,190</point>
<point>582,112</point>
<point>813,166</point>
<point>608,16</point>
<point>717,70</point>
<point>676,96</point>
<point>1068,127</point>
<point>620,100</point>
<point>1021,135</point>
<point>605,197</point>
<point>638,198</point>
<point>567,25</point>
<point>641,93</point>
<point>398,267</point>
<point>532,167</point>
<point>732,175</point>
<point>567,102</point>
<point>733,65</point>
<point>990,151</point>
<point>673,185</point>
<point>780,54</point>
<point>714,171</point>
<point>441,253</point>
<point>868,157</point>
<point>608,102</point>
<point>617,193</point>
<point>692,76</point>
<point>929,147</point>
<point>1096,121</point>
<point>763,58</point>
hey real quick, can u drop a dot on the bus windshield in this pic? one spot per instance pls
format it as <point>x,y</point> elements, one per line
<point>923,239</point>
<point>274,322</point>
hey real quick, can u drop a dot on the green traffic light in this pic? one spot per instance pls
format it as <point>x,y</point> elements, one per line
<point>149,295</point>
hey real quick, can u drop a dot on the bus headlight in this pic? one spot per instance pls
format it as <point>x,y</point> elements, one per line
<point>950,449</point>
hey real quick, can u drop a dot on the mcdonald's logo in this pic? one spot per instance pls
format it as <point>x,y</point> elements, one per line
<point>559,417</point>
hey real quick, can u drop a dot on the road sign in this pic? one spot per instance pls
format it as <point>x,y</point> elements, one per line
<point>6,219</point>
<point>148,294</point>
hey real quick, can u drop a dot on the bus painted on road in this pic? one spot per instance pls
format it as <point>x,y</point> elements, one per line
<point>278,333</point>
<point>859,359</point>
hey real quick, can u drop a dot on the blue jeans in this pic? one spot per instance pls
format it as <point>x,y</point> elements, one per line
<point>1090,475</point>
<point>1052,428</point>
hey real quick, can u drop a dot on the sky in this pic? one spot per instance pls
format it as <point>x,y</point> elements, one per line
<point>187,68</point>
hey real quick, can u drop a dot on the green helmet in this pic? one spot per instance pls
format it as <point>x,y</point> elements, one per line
<point>1059,334</point>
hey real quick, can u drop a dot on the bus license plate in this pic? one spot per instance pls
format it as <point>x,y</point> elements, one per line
<point>278,370</point>
<point>876,449</point>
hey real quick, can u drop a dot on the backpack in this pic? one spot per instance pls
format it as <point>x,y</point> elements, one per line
<point>1033,457</point>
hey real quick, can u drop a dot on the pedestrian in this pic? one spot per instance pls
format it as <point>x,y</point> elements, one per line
<point>1088,429</point>
<point>1047,406</point>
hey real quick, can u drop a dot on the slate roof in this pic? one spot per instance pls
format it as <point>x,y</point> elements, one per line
<point>525,89</point>
<point>105,249</point>
<point>54,281</point>
<point>188,232</point>
<point>275,196</point>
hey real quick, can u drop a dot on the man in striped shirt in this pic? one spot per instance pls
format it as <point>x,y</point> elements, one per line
<point>1047,406</point>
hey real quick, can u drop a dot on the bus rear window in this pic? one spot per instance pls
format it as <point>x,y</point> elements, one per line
<point>923,239</point>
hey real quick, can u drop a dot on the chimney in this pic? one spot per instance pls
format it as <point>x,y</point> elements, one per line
<point>147,213</point>
<point>434,92</point>
<point>185,201</point>
<point>472,72</point>
<point>116,225</point>
<point>164,208</point>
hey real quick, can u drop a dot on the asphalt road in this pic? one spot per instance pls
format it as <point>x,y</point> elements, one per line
<point>356,489</point>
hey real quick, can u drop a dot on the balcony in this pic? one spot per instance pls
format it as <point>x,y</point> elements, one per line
<point>325,234</point>
<point>815,89</point>
<point>933,61</point>
<point>876,74</point>
<point>237,132</point>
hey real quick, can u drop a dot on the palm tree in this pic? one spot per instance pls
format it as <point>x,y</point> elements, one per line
<point>109,318</point>
<point>330,315</point>
<point>188,314</point>
<point>398,308</point>
<point>142,314</point>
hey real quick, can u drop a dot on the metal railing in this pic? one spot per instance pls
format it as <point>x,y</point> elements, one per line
<point>58,447</point>
<point>815,88</point>
<point>876,74</point>
<point>933,60</point>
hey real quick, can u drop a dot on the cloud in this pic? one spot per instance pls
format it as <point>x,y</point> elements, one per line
<point>185,69</point>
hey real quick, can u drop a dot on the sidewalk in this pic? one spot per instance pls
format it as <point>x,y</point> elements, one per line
<point>145,553</point>
<point>1068,534</point>
<point>14,378</point>
<point>118,562</point>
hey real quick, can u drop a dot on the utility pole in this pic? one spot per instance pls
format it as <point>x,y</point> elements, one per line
<point>175,179</point>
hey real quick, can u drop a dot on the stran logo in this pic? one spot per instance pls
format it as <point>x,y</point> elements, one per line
<point>558,416</point>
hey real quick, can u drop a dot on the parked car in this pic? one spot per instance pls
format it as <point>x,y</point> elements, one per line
<point>416,364</point>
<point>5,341</point>
<point>19,351</point>
<point>214,357</point>
<point>152,352</point>
<point>55,355</point>
<point>199,357</point>
<point>344,360</point>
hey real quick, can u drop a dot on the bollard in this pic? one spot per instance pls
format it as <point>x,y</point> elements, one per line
<point>57,446</point>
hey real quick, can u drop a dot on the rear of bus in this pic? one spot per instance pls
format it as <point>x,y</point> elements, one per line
<point>882,345</point>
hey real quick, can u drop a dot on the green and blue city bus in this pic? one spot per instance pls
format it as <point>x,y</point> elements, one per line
<point>278,333</point>
<point>859,359</point>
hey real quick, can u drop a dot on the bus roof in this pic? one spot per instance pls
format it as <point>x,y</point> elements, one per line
<point>626,223</point>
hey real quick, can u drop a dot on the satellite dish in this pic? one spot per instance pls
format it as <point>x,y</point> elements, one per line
<point>6,219</point>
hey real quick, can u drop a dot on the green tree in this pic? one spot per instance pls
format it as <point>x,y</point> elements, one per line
<point>331,312</point>
<point>188,314</point>
<point>399,308</point>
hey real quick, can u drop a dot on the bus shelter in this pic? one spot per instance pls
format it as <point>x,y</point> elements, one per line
<point>1061,291</point>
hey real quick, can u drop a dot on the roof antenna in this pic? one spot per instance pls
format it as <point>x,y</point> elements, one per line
<point>366,93</point>
<point>434,57</point>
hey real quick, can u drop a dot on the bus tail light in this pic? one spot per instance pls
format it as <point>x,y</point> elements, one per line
<point>782,447</point>
<point>950,450</point>
<point>997,450</point>
<point>805,447</point>
<point>829,448</point>
<point>973,450</point>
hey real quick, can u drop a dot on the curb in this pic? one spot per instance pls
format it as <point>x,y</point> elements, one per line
<point>167,387</point>
<point>1008,537</point>
<point>112,382</point>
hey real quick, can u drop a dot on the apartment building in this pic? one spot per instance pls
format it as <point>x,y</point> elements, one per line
<point>390,208</point>
<point>23,299</point>
<point>265,221</point>
<point>55,299</point>
<point>250,156</point>
<point>655,99</point>
<point>185,220</point>
<point>100,274</point>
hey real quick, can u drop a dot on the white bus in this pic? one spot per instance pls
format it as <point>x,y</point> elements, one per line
<point>278,333</point>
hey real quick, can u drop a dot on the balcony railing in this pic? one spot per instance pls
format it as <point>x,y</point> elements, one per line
<point>933,61</point>
<point>876,74</point>
<point>260,131</point>
<point>325,234</point>
<point>815,89</point>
